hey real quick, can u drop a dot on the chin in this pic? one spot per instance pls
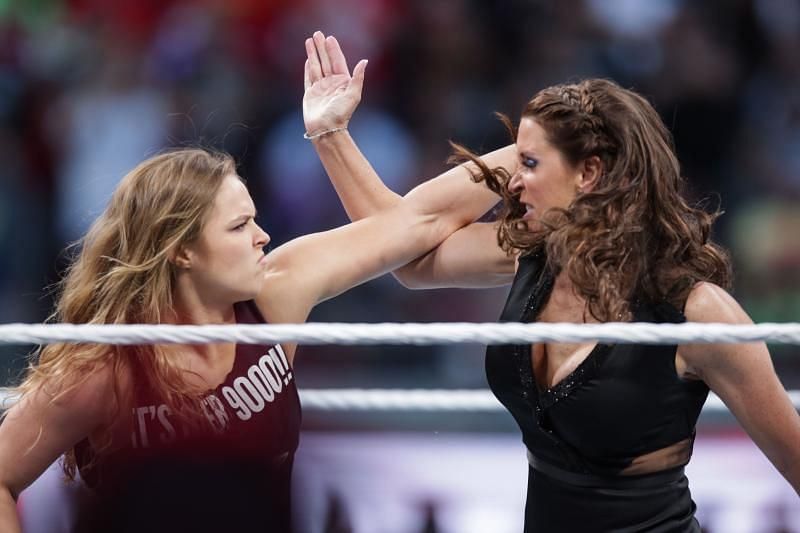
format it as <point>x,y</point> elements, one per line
<point>249,293</point>
<point>533,225</point>
<point>257,287</point>
<point>243,293</point>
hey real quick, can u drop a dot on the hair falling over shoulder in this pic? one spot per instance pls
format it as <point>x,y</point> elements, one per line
<point>121,273</point>
<point>633,236</point>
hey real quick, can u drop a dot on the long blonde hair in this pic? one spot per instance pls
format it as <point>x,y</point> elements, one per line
<point>121,274</point>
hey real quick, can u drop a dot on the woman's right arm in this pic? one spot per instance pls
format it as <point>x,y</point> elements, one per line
<point>38,429</point>
<point>471,257</point>
<point>743,376</point>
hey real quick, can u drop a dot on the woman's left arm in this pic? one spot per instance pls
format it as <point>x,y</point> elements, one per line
<point>319,266</point>
<point>742,375</point>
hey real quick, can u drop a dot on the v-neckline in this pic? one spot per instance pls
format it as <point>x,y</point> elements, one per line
<point>578,369</point>
<point>549,395</point>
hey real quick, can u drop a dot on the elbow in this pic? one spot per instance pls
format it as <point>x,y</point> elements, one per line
<point>10,486</point>
<point>8,493</point>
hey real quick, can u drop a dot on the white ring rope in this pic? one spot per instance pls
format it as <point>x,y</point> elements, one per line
<point>410,333</point>
<point>452,400</point>
<point>419,400</point>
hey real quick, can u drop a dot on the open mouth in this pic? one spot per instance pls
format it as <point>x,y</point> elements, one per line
<point>529,210</point>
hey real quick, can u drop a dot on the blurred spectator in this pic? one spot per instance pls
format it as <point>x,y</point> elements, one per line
<point>106,125</point>
<point>88,87</point>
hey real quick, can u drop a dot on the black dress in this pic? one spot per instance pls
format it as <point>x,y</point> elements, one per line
<point>621,402</point>
<point>230,474</point>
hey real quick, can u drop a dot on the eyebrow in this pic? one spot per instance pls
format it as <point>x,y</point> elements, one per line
<point>245,216</point>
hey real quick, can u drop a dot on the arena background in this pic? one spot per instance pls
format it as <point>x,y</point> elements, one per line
<point>90,87</point>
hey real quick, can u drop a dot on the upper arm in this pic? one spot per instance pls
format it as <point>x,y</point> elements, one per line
<point>742,375</point>
<point>469,258</point>
<point>39,428</point>
<point>315,267</point>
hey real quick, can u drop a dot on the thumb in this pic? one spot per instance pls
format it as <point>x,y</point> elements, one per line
<point>357,82</point>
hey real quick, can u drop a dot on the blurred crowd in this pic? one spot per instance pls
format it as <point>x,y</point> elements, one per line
<point>90,87</point>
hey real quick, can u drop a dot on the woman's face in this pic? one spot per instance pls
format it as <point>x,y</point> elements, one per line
<point>227,261</point>
<point>544,178</point>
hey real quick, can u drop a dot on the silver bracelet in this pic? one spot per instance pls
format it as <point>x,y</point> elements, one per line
<point>321,133</point>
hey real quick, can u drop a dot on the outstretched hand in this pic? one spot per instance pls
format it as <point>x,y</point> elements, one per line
<point>331,94</point>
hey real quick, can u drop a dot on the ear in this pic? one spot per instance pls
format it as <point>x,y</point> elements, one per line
<point>590,171</point>
<point>181,257</point>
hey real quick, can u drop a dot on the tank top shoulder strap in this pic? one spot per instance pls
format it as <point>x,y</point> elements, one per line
<point>658,312</point>
<point>532,282</point>
<point>248,313</point>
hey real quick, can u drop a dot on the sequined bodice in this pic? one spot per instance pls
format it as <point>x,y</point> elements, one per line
<point>621,402</point>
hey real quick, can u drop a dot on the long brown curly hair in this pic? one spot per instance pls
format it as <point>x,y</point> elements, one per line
<point>121,274</point>
<point>633,236</point>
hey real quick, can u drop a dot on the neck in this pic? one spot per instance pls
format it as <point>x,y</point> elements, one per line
<point>191,307</point>
<point>562,284</point>
<point>564,295</point>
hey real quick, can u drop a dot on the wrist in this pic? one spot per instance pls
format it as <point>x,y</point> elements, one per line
<point>323,132</point>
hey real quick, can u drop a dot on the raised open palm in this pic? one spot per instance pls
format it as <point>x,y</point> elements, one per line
<point>331,94</point>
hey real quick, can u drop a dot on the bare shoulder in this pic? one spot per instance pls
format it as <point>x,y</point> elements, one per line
<point>283,299</point>
<point>287,294</point>
<point>708,302</point>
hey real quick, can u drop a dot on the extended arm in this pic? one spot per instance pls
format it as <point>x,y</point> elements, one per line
<point>742,375</point>
<point>472,257</point>
<point>316,267</point>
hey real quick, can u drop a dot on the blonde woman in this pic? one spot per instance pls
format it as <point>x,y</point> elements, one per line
<point>190,437</point>
<point>593,228</point>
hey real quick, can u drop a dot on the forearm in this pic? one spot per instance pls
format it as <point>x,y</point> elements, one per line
<point>453,195</point>
<point>469,258</point>
<point>793,476</point>
<point>781,448</point>
<point>9,519</point>
<point>785,461</point>
<point>359,187</point>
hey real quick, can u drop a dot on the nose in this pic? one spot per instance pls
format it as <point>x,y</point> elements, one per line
<point>262,237</point>
<point>515,183</point>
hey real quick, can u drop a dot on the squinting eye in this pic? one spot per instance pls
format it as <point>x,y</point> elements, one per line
<point>240,226</point>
